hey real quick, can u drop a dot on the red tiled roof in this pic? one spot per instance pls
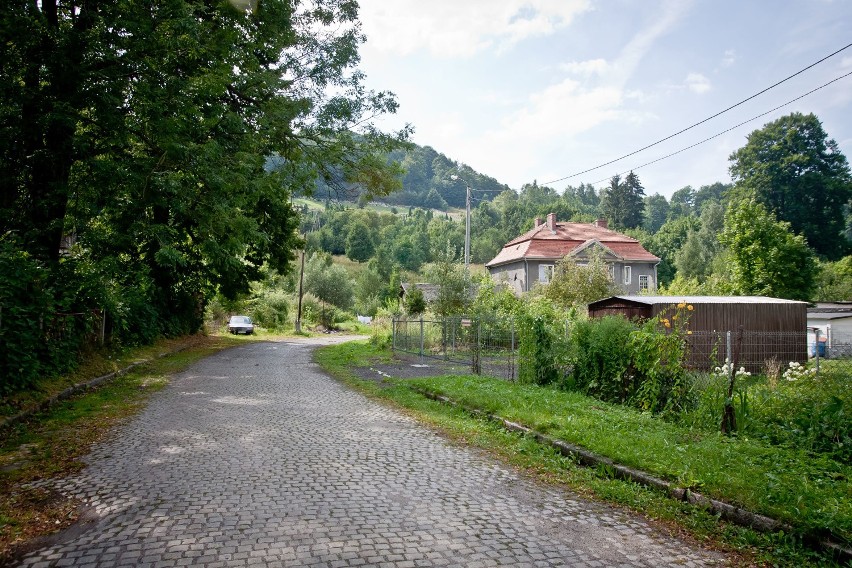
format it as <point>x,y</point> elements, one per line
<point>542,243</point>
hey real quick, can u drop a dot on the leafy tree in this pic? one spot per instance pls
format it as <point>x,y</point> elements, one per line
<point>667,241</point>
<point>801,176</point>
<point>713,192</point>
<point>682,202</point>
<point>575,284</point>
<point>146,131</point>
<point>369,291</point>
<point>834,283</point>
<point>453,284</point>
<point>415,303</point>
<point>359,243</point>
<point>656,212</point>
<point>327,281</point>
<point>695,257</point>
<point>766,258</point>
<point>433,200</point>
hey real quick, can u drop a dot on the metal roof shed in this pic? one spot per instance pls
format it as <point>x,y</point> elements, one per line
<point>773,328</point>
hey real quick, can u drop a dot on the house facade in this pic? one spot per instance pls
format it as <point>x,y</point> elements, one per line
<point>530,258</point>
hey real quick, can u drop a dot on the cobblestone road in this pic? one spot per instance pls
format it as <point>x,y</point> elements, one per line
<point>255,458</point>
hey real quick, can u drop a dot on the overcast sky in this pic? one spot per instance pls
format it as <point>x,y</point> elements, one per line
<point>543,89</point>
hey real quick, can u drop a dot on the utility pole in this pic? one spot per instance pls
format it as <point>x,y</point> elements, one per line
<point>298,325</point>
<point>467,232</point>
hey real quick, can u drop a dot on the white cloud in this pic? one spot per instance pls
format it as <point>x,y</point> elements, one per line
<point>585,68</point>
<point>450,28</point>
<point>697,83</point>
<point>729,58</point>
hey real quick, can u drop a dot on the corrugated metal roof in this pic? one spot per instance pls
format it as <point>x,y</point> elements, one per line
<point>653,300</point>
<point>819,315</point>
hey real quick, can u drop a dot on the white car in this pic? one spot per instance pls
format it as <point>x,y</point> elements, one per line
<point>240,324</point>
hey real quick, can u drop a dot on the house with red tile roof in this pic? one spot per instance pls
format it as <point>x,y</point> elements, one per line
<point>531,257</point>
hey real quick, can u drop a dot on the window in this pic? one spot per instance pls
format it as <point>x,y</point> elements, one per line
<point>644,282</point>
<point>545,273</point>
<point>611,268</point>
<point>627,276</point>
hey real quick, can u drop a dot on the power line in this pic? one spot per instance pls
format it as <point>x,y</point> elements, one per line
<point>729,129</point>
<point>703,121</point>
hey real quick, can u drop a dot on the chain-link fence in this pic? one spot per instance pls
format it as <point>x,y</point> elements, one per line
<point>490,346</point>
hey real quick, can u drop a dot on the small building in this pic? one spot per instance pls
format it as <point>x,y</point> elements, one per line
<point>430,291</point>
<point>772,328</point>
<point>834,322</point>
<point>530,258</point>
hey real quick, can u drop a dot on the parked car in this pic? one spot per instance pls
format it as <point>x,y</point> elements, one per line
<point>240,324</point>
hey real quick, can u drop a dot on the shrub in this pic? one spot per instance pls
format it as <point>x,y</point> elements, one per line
<point>813,413</point>
<point>601,357</point>
<point>322,313</point>
<point>542,348</point>
<point>658,353</point>
<point>271,309</point>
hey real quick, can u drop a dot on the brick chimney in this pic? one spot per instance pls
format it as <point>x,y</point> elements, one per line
<point>538,222</point>
<point>602,223</point>
<point>551,222</point>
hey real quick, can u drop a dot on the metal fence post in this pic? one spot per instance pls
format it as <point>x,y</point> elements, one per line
<point>728,356</point>
<point>393,333</point>
<point>421,337</point>
<point>512,354</point>
<point>444,338</point>
<point>475,363</point>
<point>816,348</point>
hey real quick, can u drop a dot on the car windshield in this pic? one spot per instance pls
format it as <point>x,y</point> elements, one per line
<point>240,319</point>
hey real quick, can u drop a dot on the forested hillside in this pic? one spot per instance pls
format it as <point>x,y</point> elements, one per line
<point>429,180</point>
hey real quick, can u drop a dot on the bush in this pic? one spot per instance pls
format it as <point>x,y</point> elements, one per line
<point>813,413</point>
<point>541,344</point>
<point>321,313</point>
<point>44,322</point>
<point>271,309</point>
<point>601,356</point>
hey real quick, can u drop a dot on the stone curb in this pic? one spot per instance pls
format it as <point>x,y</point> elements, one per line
<point>80,387</point>
<point>726,511</point>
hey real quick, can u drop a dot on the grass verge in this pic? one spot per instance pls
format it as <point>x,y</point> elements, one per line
<point>51,444</point>
<point>613,431</point>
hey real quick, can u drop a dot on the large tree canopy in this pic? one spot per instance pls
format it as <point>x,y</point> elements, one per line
<point>792,167</point>
<point>143,127</point>
<point>766,258</point>
<point>143,130</point>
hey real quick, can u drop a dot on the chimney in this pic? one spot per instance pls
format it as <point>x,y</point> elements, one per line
<point>551,222</point>
<point>602,223</point>
<point>537,223</point>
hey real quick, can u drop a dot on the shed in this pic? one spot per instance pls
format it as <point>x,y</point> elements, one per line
<point>834,322</point>
<point>772,328</point>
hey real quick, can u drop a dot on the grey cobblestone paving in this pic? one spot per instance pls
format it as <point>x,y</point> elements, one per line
<point>254,458</point>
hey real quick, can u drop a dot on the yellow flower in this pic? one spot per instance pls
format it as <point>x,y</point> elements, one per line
<point>666,323</point>
<point>674,317</point>
<point>681,305</point>
<point>689,332</point>
<point>689,307</point>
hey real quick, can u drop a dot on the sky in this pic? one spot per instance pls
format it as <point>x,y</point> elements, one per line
<point>539,90</point>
